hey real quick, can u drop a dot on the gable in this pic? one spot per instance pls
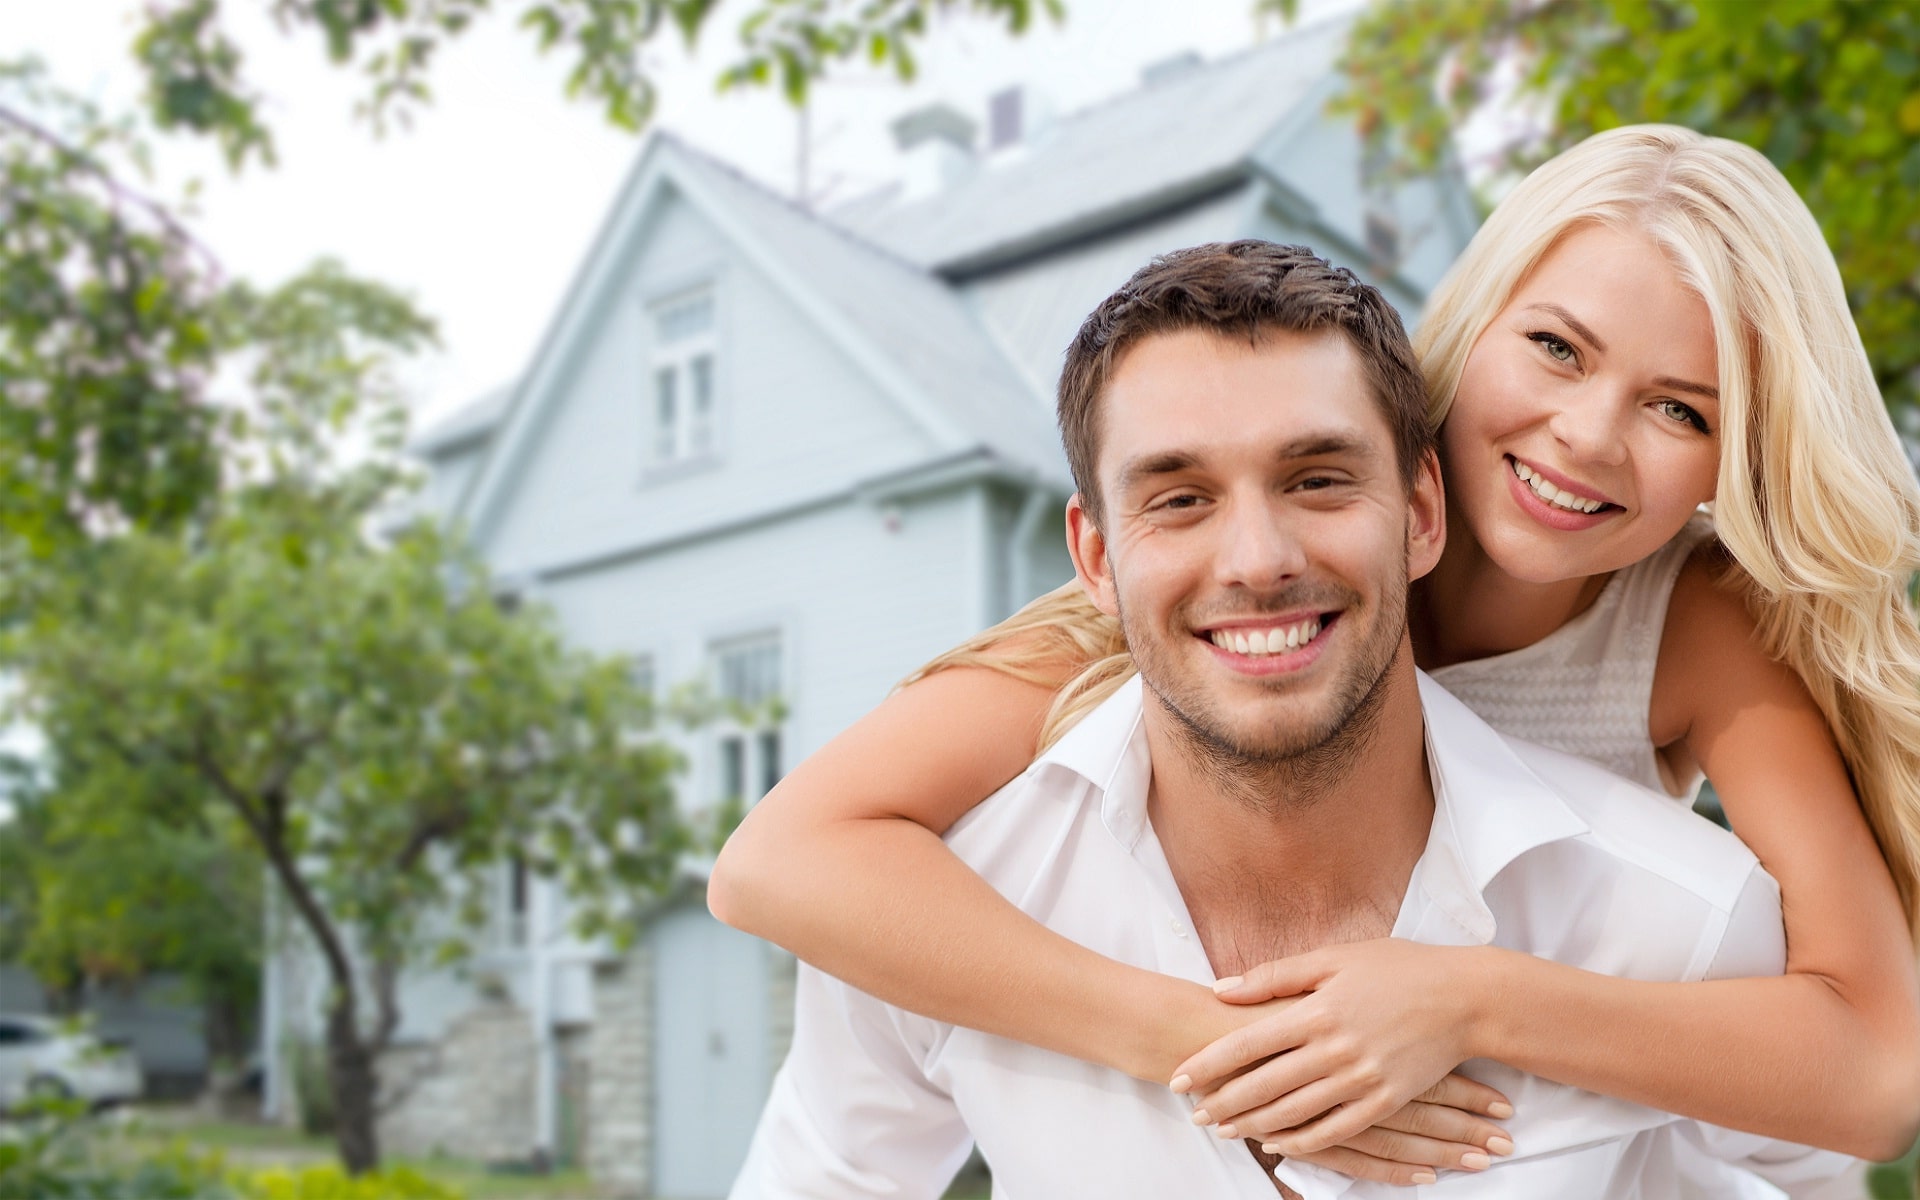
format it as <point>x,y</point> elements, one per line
<point>796,417</point>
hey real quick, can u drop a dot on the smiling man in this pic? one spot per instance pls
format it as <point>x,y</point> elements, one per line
<point>1258,484</point>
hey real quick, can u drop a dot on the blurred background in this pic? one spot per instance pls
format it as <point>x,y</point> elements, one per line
<point>454,457</point>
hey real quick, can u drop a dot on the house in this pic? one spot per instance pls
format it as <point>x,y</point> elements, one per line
<point>796,454</point>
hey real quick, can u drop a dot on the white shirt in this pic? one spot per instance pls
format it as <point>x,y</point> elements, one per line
<point>1530,849</point>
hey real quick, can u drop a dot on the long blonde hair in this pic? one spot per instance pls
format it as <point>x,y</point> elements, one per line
<point>1817,501</point>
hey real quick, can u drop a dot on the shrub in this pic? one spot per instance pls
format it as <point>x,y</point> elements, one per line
<point>329,1182</point>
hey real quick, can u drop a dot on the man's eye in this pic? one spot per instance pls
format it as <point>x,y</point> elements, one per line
<point>1557,347</point>
<point>1182,501</point>
<point>1316,483</point>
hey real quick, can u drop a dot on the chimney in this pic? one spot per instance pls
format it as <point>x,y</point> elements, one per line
<point>937,143</point>
<point>1017,114</point>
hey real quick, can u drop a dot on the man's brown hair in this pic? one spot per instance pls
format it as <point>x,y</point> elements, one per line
<point>1241,288</point>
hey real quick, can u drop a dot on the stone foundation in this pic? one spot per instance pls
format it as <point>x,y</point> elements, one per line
<point>468,1096</point>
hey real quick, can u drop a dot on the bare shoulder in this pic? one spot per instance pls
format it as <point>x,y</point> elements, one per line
<point>1711,655</point>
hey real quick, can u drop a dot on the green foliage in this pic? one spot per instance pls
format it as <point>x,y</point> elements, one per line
<point>330,1183</point>
<point>53,1153</point>
<point>58,1153</point>
<point>109,334</point>
<point>312,1091</point>
<point>1829,90</point>
<point>196,72</point>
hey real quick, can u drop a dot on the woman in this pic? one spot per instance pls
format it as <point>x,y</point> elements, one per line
<point>1648,323</point>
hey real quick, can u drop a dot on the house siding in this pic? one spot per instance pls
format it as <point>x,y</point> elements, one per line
<point>797,418</point>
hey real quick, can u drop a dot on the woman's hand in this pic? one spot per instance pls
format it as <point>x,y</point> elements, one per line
<point>1376,1024</point>
<point>1439,1131</point>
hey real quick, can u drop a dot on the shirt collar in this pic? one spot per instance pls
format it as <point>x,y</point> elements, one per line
<point>1489,807</point>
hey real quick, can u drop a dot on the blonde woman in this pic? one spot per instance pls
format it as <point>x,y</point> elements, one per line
<point>1648,323</point>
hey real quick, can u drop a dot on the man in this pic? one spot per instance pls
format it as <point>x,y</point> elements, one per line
<point>1257,484</point>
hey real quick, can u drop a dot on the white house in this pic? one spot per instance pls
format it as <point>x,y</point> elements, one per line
<point>798,453</point>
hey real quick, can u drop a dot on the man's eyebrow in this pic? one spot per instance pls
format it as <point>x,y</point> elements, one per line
<point>1327,445</point>
<point>1137,471</point>
<point>1572,322</point>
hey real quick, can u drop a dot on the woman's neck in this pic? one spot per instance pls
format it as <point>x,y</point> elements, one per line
<point>1468,607</point>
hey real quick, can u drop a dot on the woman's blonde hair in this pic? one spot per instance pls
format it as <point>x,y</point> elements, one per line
<point>1816,502</point>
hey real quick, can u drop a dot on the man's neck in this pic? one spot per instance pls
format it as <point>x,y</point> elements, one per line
<point>1279,858</point>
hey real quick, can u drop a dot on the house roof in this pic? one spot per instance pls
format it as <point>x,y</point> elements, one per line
<point>1165,143</point>
<point>471,420</point>
<point>876,273</point>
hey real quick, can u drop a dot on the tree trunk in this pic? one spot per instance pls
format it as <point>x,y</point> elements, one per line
<point>350,1069</point>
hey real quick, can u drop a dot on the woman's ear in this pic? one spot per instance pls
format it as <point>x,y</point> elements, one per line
<point>1426,517</point>
<point>1089,549</point>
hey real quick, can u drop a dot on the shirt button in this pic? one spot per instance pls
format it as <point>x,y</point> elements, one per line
<point>1178,929</point>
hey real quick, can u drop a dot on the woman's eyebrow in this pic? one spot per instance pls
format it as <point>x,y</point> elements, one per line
<point>1574,323</point>
<point>1687,385</point>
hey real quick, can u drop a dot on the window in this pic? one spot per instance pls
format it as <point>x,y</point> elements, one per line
<point>747,735</point>
<point>640,672</point>
<point>683,422</point>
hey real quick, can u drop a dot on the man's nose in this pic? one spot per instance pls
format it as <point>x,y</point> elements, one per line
<point>1260,548</point>
<point>1593,426</point>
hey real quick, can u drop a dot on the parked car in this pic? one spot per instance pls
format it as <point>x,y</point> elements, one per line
<point>43,1057</point>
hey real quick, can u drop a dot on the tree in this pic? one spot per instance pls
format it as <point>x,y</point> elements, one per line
<point>109,331</point>
<point>1829,90</point>
<point>379,725</point>
<point>197,79</point>
<point>98,892</point>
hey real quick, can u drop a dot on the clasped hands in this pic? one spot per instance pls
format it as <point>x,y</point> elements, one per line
<point>1348,1063</point>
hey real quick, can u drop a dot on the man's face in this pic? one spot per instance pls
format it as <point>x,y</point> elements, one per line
<point>1257,539</point>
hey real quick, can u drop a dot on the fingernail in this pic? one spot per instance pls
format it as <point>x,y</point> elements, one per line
<point>1228,1133</point>
<point>1473,1160</point>
<point>1200,1117</point>
<point>1425,1177</point>
<point>1181,1083</point>
<point>1499,1145</point>
<point>1221,985</point>
<point>1499,1110</point>
<point>1269,1148</point>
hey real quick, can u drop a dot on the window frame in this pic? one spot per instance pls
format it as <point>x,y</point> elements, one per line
<point>746,756</point>
<point>671,444</point>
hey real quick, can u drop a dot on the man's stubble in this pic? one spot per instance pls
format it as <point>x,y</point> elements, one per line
<point>1295,759</point>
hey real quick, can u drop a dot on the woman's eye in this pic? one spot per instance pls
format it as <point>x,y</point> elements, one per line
<point>1682,413</point>
<point>1557,347</point>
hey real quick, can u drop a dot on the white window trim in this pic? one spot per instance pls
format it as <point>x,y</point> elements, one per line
<point>693,447</point>
<point>751,737</point>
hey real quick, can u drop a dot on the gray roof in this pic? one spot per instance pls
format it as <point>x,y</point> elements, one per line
<point>468,422</point>
<point>1141,152</point>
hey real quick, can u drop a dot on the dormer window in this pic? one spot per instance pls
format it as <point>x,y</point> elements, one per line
<point>683,420</point>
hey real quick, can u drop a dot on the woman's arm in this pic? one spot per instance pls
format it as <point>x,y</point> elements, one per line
<point>1828,1054</point>
<point>842,864</point>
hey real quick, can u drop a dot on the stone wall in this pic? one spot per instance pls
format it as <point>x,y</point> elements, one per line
<point>468,1096</point>
<point>619,1146</point>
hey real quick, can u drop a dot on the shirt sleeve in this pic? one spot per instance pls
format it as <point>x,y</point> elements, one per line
<point>852,1114</point>
<point>1755,944</point>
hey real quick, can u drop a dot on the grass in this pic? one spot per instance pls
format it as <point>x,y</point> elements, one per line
<point>254,1144</point>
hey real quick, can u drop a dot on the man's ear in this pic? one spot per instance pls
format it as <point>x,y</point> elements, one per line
<point>1089,549</point>
<point>1426,517</point>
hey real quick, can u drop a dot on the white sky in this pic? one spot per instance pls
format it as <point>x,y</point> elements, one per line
<point>483,209</point>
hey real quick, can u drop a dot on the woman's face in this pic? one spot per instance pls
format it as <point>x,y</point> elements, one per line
<point>1586,426</point>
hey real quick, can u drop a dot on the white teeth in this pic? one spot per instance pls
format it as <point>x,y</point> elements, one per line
<point>1277,640</point>
<point>1553,495</point>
